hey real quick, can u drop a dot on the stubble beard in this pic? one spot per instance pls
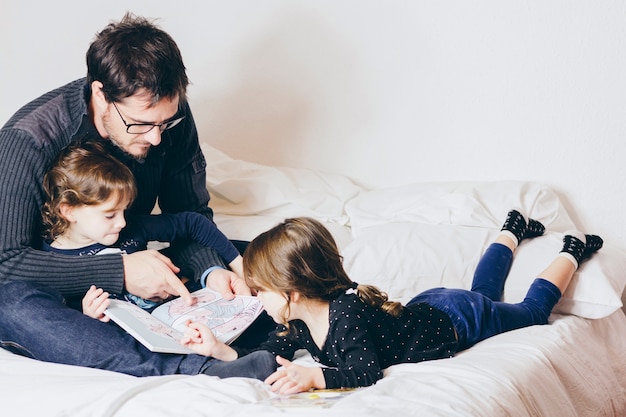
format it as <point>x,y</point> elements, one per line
<point>120,146</point>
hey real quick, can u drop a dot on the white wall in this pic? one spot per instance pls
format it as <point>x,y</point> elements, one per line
<point>387,92</point>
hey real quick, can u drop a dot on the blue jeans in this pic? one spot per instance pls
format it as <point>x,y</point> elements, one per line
<point>478,314</point>
<point>35,322</point>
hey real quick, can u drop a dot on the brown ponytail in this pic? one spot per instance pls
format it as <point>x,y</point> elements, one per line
<point>377,298</point>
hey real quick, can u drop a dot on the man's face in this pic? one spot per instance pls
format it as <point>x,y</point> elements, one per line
<point>137,109</point>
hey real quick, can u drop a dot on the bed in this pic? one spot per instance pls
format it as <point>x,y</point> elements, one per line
<point>404,240</point>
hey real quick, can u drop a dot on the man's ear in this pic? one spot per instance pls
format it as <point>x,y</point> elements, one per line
<point>67,212</point>
<point>98,98</point>
<point>98,107</point>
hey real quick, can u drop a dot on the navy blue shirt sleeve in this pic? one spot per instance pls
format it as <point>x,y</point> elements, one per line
<point>170,227</point>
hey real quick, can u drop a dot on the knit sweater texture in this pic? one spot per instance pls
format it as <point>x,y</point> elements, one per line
<point>173,174</point>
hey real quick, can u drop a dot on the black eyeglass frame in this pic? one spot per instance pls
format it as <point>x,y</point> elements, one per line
<point>147,126</point>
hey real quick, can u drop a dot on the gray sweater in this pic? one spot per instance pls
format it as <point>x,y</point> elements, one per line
<point>173,173</point>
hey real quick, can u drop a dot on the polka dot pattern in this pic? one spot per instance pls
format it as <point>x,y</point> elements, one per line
<point>362,340</point>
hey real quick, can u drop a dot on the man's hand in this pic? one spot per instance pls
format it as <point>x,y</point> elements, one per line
<point>95,302</point>
<point>292,378</point>
<point>227,283</point>
<point>152,275</point>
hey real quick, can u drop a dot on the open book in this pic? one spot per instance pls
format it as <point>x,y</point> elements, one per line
<point>161,330</point>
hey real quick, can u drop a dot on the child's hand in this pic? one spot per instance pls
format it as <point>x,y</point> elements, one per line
<point>227,283</point>
<point>237,266</point>
<point>199,338</point>
<point>291,378</point>
<point>95,302</point>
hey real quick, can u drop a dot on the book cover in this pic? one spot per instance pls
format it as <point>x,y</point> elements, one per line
<point>161,330</point>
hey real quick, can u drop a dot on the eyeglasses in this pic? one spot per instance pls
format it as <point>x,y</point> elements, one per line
<point>140,128</point>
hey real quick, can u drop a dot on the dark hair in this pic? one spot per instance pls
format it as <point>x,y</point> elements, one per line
<point>301,255</point>
<point>134,54</point>
<point>83,175</point>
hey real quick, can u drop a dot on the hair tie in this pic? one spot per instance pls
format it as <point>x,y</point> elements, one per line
<point>354,285</point>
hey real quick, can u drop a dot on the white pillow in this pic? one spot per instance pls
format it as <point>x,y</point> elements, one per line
<point>406,258</point>
<point>411,238</point>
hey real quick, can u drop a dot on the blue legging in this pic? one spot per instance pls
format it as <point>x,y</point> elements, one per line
<point>478,314</point>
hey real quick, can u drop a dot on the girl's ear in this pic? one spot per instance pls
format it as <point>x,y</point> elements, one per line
<point>67,212</point>
<point>295,296</point>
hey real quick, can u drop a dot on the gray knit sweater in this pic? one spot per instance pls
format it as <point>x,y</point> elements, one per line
<point>173,173</point>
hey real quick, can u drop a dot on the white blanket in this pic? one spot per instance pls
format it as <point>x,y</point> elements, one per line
<point>573,367</point>
<point>404,240</point>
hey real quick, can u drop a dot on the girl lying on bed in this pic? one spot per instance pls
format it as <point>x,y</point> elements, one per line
<point>355,331</point>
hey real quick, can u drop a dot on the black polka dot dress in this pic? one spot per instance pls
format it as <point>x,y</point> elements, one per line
<point>362,340</point>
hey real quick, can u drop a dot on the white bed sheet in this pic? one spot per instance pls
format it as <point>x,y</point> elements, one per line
<point>573,367</point>
<point>403,240</point>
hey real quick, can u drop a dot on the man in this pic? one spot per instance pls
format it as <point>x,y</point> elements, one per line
<point>134,100</point>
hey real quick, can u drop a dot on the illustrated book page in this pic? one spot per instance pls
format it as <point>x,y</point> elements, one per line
<point>161,330</point>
